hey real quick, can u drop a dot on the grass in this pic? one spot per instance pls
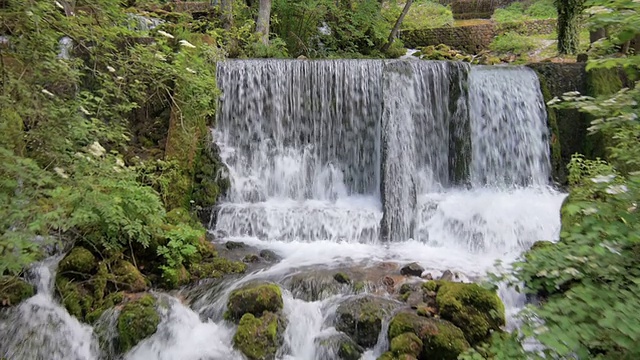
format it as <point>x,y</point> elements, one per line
<point>423,14</point>
<point>513,43</point>
<point>518,11</point>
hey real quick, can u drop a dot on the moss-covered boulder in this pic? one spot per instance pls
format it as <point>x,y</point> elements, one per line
<point>128,277</point>
<point>407,343</point>
<point>14,290</point>
<point>440,339</point>
<point>78,263</point>
<point>338,346</point>
<point>254,299</point>
<point>472,308</point>
<point>361,318</point>
<point>216,268</point>
<point>443,341</point>
<point>259,338</point>
<point>391,356</point>
<point>77,299</point>
<point>137,321</point>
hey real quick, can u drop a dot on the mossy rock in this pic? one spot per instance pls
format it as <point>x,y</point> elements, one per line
<point>342,278</point>
<point>339,346</point>
<point>110,301</point>
<point>14,290</point>
<point>76,299</point>
<point>472,308</point>
<point>78,263</point>
<point>258,338</point>
<point>440,339</point>
<point>391,356</point>
<point>128,277</point>
<point>430,285</point>
<point>407,343</point>
<point>216,268</point>
<point>444,341</point>
<point>137,321</point>
<point>254,299</point>
<point>361,318</point>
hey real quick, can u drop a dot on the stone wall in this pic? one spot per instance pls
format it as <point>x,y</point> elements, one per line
<point>568,127</point>
<point>473,38</point>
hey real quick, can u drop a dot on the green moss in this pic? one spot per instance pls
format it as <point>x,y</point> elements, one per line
<point>110,301</point>
<point>254,299</point>
<point>11,130</point>
<point>559,173</point>
<point>359,286</point>
<point>216,268</point>
<point>137,321</point>
<point>342,278</point>
<point>75,298</point>
<point>258,338</point>
<point>349,351</point>
<point>443,341</point>
<point>407,343</point>
<point>361,318</point>
<point>430,285</point>
<point>78,263</point>
<point>391,356</point>
<point>14,290</point>
<point>128,277</point>
<point>178,216</point>
<point>474,309</point>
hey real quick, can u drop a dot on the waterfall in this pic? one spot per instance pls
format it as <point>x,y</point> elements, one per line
<point>341,165</point>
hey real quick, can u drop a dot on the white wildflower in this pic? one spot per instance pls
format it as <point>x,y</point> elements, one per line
<point>48,93</point>
<point>61,172</point>
<point>119,78</point>
<point>572,93</point>
<point>191,70</point>
<point>116,169</point>
<point>598,10</point>
<point>119,162</point>
<point>572,271</point>
<point>59,5</point>
<point>29,13</point>
<point>160,57</point>
<point>553,101</point>
<point>85,111</point>
<point>96,149</point>
<point>589,211</point>
<point>616,189</point>
<point>111,69</point>
<point>633,206</point>
<point>165,34</point>
<point>185,43</point>
<point>603,178</point>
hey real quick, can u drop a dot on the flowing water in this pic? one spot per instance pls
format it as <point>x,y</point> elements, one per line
<point>346,164</point>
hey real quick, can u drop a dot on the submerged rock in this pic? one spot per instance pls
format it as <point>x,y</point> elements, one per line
<point>269,255</point>
<point>342,278</point>
<point>259,338</point>
<point>137,321</point>
<point>13,290</point>
<point>339,346</point>
<point>254,299</point>
<point>361,318</point>
<point>472,308</point>
<point>412,269</point>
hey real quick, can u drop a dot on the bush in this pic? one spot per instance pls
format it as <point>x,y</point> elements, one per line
<point>512,42</point>
<point>517,11</point>
<point>544,9</point>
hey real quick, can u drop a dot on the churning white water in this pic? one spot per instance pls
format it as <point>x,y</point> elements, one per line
<point>346,164</point>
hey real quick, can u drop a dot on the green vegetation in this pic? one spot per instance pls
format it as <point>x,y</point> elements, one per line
<point>258,337</point>
<point>254,299</point>
<point>422,15</point>
<point>512,42</point>
<point>137,320</point>
<point>522,11</point>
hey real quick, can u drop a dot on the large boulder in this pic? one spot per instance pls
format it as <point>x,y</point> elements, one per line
<point>472,308</point>
<point>440,339</point>
<point>137,321</point>
<point>412,269</point>
<point>254,299</point>
<point>14,290</point>
<point>78,263</point>
<point>361,318</point>
<point>259,338</point>
<point>128,277</point>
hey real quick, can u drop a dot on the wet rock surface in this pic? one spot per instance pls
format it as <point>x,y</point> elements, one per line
<point>361,317</point>
<point>412,269</point>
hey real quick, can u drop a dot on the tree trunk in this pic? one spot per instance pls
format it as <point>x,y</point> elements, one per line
<point>226,13</point>
<point>262,25</point>
<point>396,27</point>
<point>568,31</point>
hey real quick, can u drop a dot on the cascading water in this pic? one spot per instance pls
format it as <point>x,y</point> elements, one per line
<point>343,164</point>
